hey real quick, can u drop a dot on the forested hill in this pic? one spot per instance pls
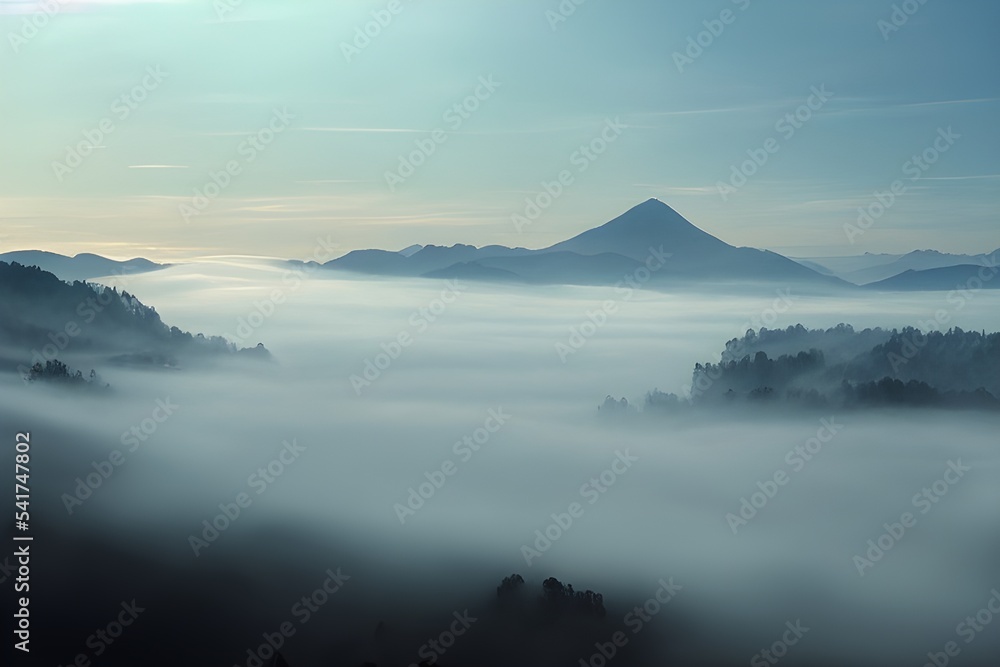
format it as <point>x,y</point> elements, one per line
<point>42,317</point>
<point>842,367</point>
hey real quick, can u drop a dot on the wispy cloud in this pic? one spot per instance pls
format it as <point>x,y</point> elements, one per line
<point>699,112</point>
<point>692,191</point>
<point>983,177</point>
<point>37,7</point>
<point>158,166</point>
<point>971,100</point>
<point>877,106</point>
<point>335,181</point>
<point>365,130</point>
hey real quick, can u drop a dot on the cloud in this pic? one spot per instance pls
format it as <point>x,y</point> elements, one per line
<point>158,166</point>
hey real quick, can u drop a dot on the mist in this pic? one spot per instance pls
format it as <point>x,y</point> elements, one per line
<point>424,430</point>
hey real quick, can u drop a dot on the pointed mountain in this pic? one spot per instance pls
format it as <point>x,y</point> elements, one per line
<point>631,234</point>
<point>602,256</point>
<point>696,255</point>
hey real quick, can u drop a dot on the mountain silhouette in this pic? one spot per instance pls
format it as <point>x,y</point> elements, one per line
<point>83,266</point>
<point>964,276</point>
<point>649,235</point>
<point>631,234</point>
<point>918,260</point>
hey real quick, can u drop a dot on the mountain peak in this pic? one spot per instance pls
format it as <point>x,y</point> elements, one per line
<point>648,237</point>
<point>653,211</point>
<point>653,206</point>
<point>632,234</point>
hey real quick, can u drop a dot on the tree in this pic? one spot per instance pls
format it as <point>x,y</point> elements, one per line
<point>510,584</point>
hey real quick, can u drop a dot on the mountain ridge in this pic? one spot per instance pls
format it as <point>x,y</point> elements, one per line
<point>941,279</point>
<point>82,266</point>
<point>601,255</point>
<point>883,267</point>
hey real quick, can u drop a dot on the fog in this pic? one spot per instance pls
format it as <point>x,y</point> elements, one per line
<point>489,364</point>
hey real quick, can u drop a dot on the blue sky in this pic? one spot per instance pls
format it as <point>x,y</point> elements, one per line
<point>183,86</point>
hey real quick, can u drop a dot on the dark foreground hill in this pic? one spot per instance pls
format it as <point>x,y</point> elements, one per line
<point>43,319</point>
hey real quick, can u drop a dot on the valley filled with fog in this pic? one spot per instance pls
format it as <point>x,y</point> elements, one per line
<point>488,383</point>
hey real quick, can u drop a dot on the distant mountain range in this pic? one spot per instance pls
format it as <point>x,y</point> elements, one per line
<point>650,236</point>
<point>963,276</point>
<point>80,267</point>
<point>840,266</point>
<point>652,243</point>
<point>868,269</point>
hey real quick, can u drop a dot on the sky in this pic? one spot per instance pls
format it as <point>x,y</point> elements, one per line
<point>177,129</point>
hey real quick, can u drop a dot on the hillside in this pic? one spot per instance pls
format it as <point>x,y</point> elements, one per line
<point>43,318</point>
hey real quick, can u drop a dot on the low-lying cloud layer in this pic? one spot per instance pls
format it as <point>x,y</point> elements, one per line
<point>472,449</point>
